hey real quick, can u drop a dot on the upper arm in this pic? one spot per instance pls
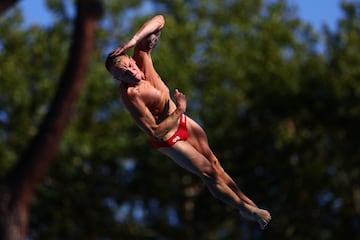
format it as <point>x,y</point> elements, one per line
<point>140,113</point>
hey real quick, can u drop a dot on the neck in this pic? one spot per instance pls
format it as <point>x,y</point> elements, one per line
<point>130,84</point>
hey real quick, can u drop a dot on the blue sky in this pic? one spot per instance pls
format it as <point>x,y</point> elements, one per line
<point>318,12</point>
<point>315,12</point>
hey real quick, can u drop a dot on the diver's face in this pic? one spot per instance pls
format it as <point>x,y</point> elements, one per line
<point>127,70</point>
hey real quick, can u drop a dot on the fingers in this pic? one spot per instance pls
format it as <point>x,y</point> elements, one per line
<point>119,50</point>
<point>179,95</point>
<point>116,52</point>
<point>177,92</point>
<point>180,100</point>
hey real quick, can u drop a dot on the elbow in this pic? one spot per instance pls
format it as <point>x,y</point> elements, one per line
<point>158,132</point>
<point>161,20</point>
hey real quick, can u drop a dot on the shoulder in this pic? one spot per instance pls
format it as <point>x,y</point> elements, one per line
<point>135,96</point>
<point>128,92</point>
<point>127,95</point>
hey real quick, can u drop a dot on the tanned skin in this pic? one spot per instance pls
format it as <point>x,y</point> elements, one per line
<point>148,100</point>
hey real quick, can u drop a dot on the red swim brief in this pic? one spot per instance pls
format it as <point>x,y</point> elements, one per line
<point>181,134</point>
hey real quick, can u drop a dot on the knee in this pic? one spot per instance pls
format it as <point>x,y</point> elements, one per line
<point>210,175</point>
<point>214,183</point>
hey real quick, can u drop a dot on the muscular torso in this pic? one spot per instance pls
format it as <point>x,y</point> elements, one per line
<point>149,100</point>
<point>156,100</point>
<point>145,101</point>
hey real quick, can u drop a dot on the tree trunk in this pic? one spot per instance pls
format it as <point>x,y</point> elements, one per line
<point>6,4</point>
<point>14,217</point>
<point>20,184</point>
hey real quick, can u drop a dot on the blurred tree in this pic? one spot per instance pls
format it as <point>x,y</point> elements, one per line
<point>19,184</point>
<point>6,4</point>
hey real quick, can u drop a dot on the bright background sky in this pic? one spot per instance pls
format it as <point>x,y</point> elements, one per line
<point>315,12</point>
<point>318,12</point>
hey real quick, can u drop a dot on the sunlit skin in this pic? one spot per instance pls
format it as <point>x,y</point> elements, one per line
<point>127,70</point>
<point>148,100</point>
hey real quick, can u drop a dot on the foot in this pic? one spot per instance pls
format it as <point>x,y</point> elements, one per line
<point>261,216</point>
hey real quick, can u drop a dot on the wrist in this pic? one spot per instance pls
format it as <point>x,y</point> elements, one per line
<point>179,111</point>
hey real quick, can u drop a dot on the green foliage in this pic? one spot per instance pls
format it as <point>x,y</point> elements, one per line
<point>26,91</point>
<point>281,116</point>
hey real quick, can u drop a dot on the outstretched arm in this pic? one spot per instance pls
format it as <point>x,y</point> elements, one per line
<point>152,26</point>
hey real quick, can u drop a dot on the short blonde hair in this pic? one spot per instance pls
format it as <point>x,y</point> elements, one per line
<point>112,61</point>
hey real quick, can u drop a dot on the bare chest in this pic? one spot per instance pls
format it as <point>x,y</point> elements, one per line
<point>156,100</point>
<point>151,96</point>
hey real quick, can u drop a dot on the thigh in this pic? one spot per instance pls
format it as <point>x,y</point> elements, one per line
<point>198,139</point>
<point>185,155</point>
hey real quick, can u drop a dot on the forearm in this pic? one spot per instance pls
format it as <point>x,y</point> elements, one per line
<point>153,25</point>
<point>172,120</point>
<point>168,124</point>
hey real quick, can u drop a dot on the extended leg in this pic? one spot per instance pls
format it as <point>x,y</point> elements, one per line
<point>218,183</point>
<point>234,187</point>
<point>216,180</point>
